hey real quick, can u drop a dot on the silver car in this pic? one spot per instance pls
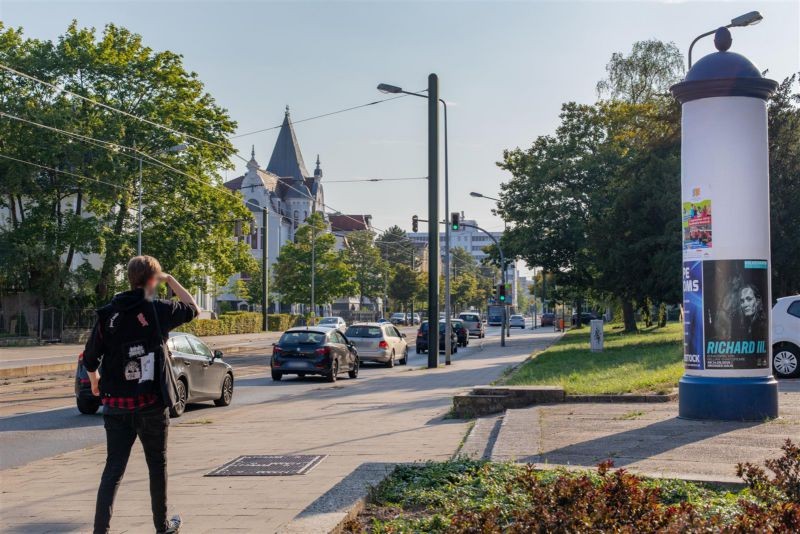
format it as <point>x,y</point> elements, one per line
<point>474,324</point>
<point>516,321</point>
<point>379,342</point>
<point>333,322</point>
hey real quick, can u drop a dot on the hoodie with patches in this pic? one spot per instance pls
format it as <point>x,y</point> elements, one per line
<point>126,341</point>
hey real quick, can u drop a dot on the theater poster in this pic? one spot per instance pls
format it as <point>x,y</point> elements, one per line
<point>693,314</point>
<point>736,317</point>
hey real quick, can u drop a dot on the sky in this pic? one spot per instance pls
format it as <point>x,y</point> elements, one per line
<point>505,68</point>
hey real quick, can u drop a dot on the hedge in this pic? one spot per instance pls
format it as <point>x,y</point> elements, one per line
<point>238,323</point>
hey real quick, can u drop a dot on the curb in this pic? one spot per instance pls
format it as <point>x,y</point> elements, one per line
<point>33,370</point>
<point>330,512</point>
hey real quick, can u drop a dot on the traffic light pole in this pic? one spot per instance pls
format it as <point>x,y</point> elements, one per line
<point>504,320</point>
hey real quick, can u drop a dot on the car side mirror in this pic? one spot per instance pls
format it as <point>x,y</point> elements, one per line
<point>217,355</point>
<point>402,335</point>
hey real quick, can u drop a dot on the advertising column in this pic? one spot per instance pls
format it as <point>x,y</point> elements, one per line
<point>726,247</point>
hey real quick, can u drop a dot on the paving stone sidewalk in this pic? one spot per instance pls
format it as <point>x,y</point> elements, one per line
<point>646,438</point>
<point>396,418</point>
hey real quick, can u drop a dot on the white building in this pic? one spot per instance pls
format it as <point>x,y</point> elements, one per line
<point>473,241</point>
<point>289,192</point>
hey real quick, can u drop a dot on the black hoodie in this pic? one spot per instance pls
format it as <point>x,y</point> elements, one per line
<point>125,336</point>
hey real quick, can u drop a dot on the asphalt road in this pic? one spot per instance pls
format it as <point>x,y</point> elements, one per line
<point>60,428</point>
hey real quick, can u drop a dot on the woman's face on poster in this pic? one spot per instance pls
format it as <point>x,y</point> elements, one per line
<point>748,301</point>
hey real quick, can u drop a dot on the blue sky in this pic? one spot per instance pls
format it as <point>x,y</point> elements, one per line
<point>506,68</point>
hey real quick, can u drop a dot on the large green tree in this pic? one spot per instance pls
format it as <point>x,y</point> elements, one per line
<point>369,269</point>
<point>82,200</point>
<point>313,245</point>
<point>405,284</point>
<point>784,179</point>
<point>395,246</point>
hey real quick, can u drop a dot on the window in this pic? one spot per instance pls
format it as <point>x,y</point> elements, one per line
<point>199,347</point>
<point>363,331</point>
<point>181,344</point>
<point>794,308</point>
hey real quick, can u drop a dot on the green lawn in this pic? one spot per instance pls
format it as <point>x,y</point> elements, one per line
<point>648,362</point>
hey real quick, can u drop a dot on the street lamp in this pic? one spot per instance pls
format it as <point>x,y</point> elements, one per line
<point>174,149</point>
<point>433,218</point>
<point>748,19</point>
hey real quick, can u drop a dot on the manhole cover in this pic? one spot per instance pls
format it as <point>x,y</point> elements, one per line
<point>268,465</point>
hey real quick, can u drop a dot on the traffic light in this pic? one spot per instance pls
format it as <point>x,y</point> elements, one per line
<point>501,293</point>
<point>454,223</point>
<point>415,224</point>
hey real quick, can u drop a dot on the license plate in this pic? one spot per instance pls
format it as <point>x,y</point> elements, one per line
<point>295,365</point>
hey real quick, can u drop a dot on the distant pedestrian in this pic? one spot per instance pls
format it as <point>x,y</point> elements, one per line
<point>137,386</point>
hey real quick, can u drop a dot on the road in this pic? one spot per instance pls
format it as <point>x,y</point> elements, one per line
<point>38,419</point>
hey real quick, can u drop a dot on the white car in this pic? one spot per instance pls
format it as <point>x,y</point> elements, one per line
<point>378,342</point>
<point>333,322</point>
<point>517,321</point>
<point>786,337</point>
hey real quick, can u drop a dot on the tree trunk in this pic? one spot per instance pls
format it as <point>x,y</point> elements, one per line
<point>628,316</point>
<point>111,258</point>
<point>71,250</point>
<point>578,310</point>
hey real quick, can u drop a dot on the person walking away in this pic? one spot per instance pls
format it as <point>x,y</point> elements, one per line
<point>127,347</point>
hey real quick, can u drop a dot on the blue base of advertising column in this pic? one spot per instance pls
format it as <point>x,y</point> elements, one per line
<point>728,399</point>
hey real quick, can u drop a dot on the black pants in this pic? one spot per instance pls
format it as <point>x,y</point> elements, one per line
<point>151,425</point>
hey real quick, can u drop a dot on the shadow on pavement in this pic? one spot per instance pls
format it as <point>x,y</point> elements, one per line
<point>50,420</point>
<point>633,445</point>
<point>45,526</point>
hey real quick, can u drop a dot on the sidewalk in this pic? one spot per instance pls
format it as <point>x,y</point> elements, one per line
<point>25,361</point>
<point>396,418</point>
<point>645,438</point>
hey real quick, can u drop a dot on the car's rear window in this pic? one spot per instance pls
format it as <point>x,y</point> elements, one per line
<point>364,331</point>
<point>329,320</point>
<point>470,318</point>
<point>302,338</point>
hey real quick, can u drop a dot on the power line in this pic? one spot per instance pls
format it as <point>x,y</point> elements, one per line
<point>318,116</point>
<point>52,169</point>
<point>376,180</point>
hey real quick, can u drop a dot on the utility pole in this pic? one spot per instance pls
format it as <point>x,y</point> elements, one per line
<point>264,268</point>
<point>313,273</point>
<point>433,218</point>
<point>447,304</point>
<point>139,215</point>
<point>413,297</point>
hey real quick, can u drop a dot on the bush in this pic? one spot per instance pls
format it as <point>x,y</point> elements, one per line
<point>474,497</point>
<point>238,322</point>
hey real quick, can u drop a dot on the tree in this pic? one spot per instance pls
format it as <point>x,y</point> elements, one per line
<point>333,276</point>
<point>648,72</point>
<point>84,201</point>
<point>404,285</point>
<point>594,204</point>
<point>464,290</point>
<point>784,180</point>
<point>368,267</point>
<point>395,246</point>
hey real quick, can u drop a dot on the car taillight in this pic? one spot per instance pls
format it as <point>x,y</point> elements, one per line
<point>323,351</point>
<point>276,350</point>
<point>383,344</point>
<point>80,357</point>
<point>419,333</point>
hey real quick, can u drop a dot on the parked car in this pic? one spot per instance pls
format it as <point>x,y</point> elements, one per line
<point>378,342</point>
<point>472,321</point>
<point>201,373</point>
<point>422,338</point>
<point>378,320</point>
<point>547,319</point>
<point>786,337</point>
<point>462,334</point>
<point>333,322</point>
<point>516,321</point>
<point>586,317</point>
<point>313,350</point>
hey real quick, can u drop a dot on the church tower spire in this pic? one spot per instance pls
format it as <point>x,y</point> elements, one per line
<point>287,160</point>
<point>318,170</point>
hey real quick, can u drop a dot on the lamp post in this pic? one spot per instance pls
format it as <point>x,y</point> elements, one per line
<point>506,328</point>
<point>264,260</point>
<point>175,149</point>
<point>748,19</point>
<point>433,218</point>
